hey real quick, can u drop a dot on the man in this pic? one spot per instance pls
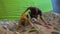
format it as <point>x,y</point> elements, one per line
<point>34,13</point>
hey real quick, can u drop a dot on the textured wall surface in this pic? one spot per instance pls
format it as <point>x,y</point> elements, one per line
<point>12,9</point>
<point>56,6</point>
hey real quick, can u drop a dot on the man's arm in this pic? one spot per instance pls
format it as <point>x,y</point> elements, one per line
<point>41,17</point>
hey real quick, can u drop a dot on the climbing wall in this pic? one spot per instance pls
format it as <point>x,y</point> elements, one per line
<point>12,9</point>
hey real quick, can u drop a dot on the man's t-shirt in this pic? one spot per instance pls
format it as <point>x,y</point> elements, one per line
<point>34,12</point>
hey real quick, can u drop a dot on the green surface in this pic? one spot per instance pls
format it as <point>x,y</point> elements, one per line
<point>12,9</point>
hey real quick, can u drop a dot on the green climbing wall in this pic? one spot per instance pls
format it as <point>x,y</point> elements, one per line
<point>12,9</point>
